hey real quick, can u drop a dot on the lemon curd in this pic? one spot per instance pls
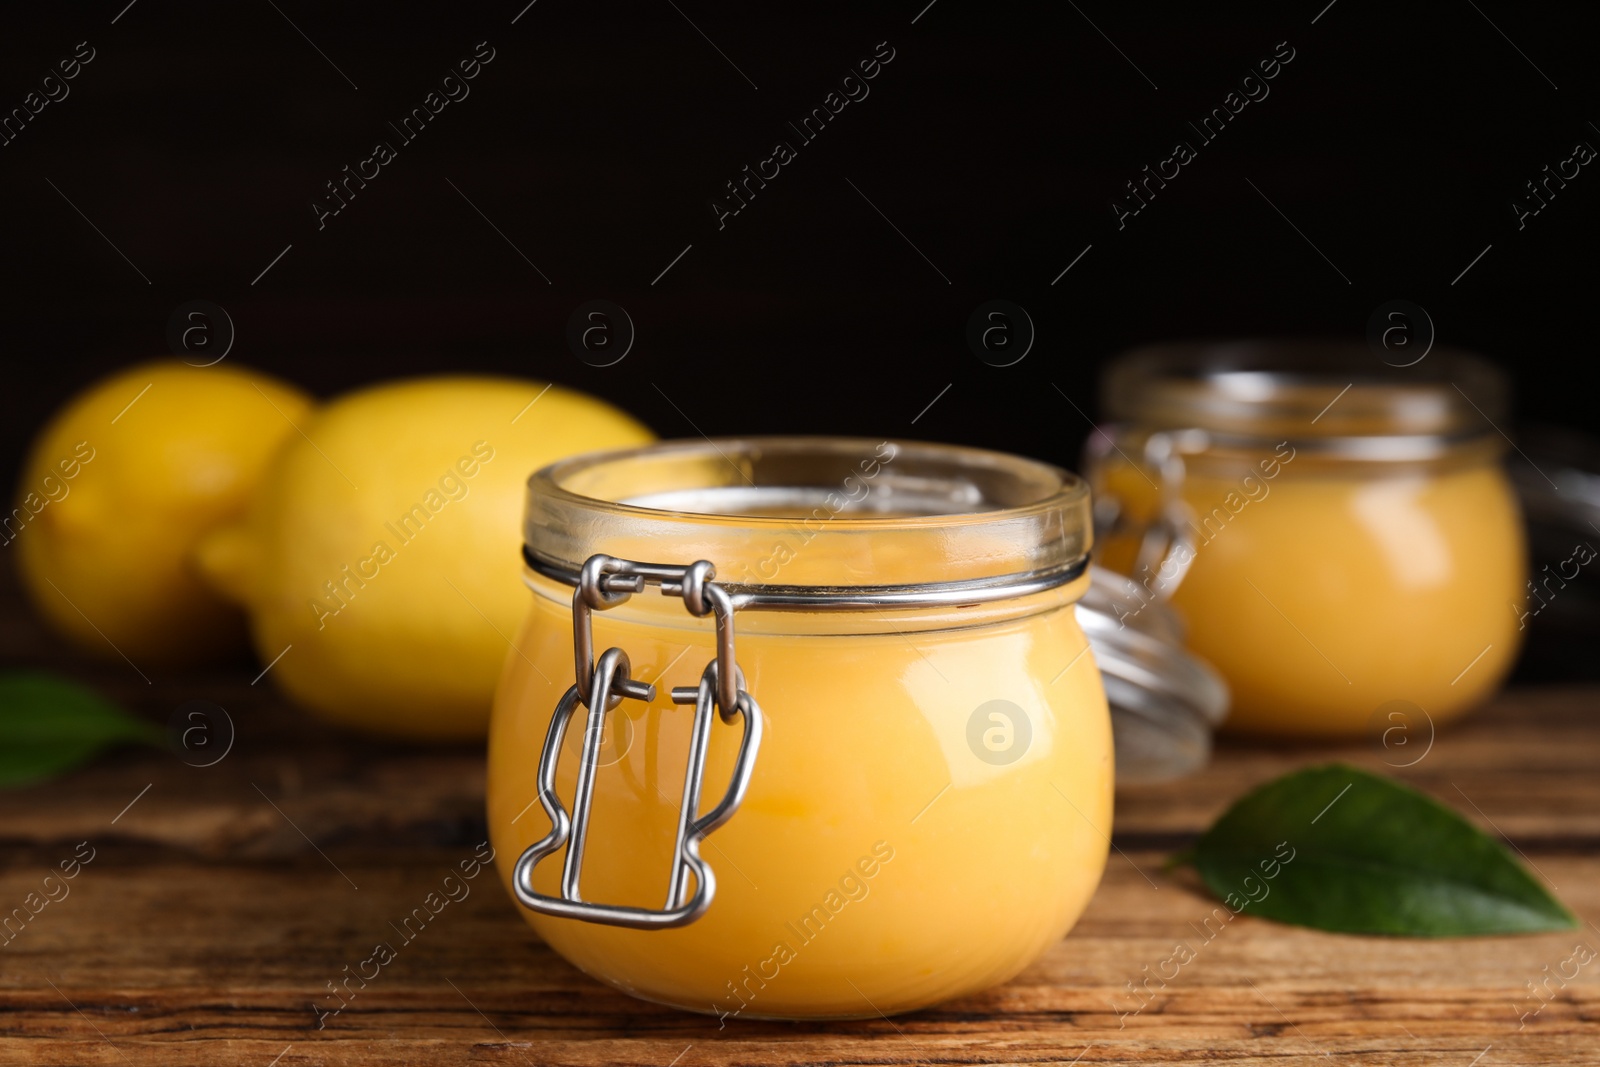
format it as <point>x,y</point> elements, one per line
<point>929,807</point>
<point>1338,534</point>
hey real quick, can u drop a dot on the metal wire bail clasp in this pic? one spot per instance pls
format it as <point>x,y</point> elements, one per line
<point>600,686</point>
<point>1166,544</point>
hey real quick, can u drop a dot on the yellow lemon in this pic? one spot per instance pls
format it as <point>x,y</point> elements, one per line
<point>119,487</point>
<point>381,562</point>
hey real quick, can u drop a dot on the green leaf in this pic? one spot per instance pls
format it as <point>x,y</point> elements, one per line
<point>1337,848</point>
<point>49,725</point>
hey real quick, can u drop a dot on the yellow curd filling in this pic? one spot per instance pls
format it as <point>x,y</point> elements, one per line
<point>877,859</point>
<point>1323,594</point>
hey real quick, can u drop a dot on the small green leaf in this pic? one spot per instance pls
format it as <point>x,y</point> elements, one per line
<point>49,725</point>
<point>1337,848</point>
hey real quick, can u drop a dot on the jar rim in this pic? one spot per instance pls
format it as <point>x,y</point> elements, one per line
<point>833,512</point>
<point>1307,389</point>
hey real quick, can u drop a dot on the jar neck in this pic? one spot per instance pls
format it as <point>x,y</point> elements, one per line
<point>833,514</point>
<point>1324,397</point>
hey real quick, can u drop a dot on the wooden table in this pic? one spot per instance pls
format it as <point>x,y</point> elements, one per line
<point>221,900</point>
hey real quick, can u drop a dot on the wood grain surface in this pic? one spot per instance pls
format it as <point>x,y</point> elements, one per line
<point>219,904</point>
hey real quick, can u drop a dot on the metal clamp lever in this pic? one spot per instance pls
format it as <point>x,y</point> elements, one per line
<point>608,581</point>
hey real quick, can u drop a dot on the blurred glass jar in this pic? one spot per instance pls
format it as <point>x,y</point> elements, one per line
<point>1339,534</point>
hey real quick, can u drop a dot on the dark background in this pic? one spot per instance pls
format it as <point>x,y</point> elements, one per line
<point>995,142</point>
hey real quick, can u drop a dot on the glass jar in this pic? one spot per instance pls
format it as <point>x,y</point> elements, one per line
<point>903,749</point>
<point>1338,533</point>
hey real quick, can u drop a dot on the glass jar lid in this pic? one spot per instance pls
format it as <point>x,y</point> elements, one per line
<point>1165,701</point>
<point>1317,392</point>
